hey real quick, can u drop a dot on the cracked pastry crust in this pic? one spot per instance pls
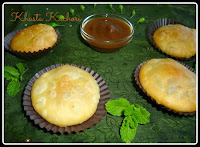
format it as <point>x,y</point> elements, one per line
<point>170,84</point>
<point>65,96</point>
<point>34,38</point>
<point>176,40</point>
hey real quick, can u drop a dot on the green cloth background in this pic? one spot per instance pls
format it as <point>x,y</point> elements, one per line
<point>116,68</point>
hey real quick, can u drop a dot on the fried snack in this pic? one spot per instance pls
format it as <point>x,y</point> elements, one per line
<point>34,38</point>
<point>65,96</point>
<point>170,84</point>
<point>176,40</point>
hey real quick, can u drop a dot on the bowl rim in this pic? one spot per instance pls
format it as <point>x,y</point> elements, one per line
<point>88,18</point>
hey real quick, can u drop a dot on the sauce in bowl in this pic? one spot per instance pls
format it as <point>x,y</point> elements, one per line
<point>107,29</point>
<point>107,33</point>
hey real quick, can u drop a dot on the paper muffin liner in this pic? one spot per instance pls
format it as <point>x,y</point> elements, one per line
<point>29,55</point>
<point>136,75</point>
<point>42,123</point>
<point>161,23</point>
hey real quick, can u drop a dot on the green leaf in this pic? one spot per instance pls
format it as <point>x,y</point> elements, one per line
<point>111,6</point>
<point>144,116</point>
<point>128,129</point>
<point>132,13</point>
<point>141,114</point>
<point>121,7</point>
<point>82,7</point>
<point>20,67</point>
<point>136,115</point>
<point>129,110</point>
<point>9,76</point>
<point>12,71</point>
<point>60,17</point>
<point>117,107</point>
<point>141,20</point>
<point>54,24</point>
<point>13,88</point>
<point>71,11</point>
<point>133,123</point>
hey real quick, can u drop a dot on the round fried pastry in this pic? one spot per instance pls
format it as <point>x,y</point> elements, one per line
<point>170,84</point>
<point>34,38</point>
<point>65,96</point>
<point>176,40</point>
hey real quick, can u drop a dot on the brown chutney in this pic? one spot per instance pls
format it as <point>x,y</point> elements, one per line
<point>107,34</point>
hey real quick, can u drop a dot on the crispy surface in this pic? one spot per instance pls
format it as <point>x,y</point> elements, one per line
<point>176,40</point>
<point>34,38</point>
<point>65,96</point>
<point>170,84</point>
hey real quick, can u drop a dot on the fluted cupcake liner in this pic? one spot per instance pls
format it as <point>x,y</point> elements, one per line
<point>42,123</point>
<point>29,55</point>
<point>136,75</point>
<point>158,24</point>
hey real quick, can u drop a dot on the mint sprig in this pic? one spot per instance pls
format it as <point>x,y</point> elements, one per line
<point>15,75</point>
<point>134,114</point>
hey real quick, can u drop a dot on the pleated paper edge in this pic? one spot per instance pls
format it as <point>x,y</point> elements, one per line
<point>42,123</point>
<point>136,76</point>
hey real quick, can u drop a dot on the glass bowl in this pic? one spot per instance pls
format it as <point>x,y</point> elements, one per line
<point>106,45</point>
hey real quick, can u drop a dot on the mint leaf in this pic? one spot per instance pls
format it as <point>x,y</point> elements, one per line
<point>144,116</point>
<point>12,71</point>
<point>128,129</point>
<point>129,110</point>
<point>134,115</point>
<point>21,69</point>
<point>133,123</point>
<point>14,74</point>
<point>13,88</point>
<point>9,76</point>
<point>141,114</point>
<point>117,107</point>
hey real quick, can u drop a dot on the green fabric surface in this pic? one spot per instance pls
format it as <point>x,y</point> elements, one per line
<point>116,68</point>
